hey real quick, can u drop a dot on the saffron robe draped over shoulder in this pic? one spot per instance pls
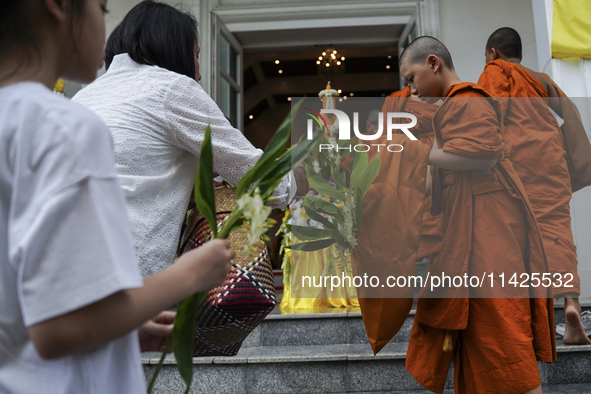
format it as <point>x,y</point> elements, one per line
<point>388,236</point>
<point>489,227</point>
<point>536,148</point>
<point>576,141</point>
<point>400,101</point>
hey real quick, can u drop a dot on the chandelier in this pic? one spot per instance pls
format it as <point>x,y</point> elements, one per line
<point>330,62</point>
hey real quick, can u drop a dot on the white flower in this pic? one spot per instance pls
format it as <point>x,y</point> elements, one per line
<point>316,166</point>
<point>255,213</point>
<point>347,228</point>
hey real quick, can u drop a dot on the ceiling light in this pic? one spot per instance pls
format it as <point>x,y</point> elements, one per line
<point>329,64</point>
<point>276,61</point>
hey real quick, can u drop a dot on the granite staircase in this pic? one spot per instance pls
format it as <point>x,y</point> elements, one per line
<point>329,353</point>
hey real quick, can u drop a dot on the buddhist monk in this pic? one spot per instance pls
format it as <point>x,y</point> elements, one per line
<point>489,226</point>
<point>401,101</point>
<point>536,147</point>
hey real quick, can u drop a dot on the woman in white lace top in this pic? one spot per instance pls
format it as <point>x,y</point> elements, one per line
<point>157,113</point>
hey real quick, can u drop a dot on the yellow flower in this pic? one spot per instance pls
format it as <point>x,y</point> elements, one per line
<point>303,213</point>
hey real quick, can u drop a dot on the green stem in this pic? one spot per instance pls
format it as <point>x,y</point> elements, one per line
<point>228,224</point>
<point>159,366</point>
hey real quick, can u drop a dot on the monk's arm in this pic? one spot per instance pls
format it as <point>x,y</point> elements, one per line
<point>451,161</point>
<point>553,96</point>
<point>554,99</point>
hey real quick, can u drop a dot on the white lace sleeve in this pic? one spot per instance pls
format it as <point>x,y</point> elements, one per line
<point>189,110</point>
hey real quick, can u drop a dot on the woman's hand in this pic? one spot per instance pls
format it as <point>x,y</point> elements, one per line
<point>154,334</point>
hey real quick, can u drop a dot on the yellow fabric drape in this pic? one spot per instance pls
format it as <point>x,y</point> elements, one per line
<point>314,264</point>
<point>571,29</point>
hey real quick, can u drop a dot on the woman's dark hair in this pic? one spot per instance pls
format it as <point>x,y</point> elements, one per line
<point>156,34</point>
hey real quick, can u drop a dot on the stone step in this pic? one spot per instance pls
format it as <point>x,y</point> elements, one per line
<point>337,368</point>
<point>330,326</point>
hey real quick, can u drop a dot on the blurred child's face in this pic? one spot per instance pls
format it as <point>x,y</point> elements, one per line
<point>89,38</point>
<point>422,80</point>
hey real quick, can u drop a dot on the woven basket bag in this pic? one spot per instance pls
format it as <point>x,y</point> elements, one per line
<point>232,310</point>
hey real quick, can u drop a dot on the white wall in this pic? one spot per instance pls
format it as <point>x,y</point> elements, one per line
<point>467,24</point>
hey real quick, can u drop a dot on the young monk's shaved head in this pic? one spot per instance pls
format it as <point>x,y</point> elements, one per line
<point>506,41</point>
<point>420,48</point>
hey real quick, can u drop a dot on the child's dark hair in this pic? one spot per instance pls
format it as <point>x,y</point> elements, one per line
<point>156,34</point>
<point>18,31</point>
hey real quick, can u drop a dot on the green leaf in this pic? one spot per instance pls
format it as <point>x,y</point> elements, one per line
<point>369,175</point>
<point>364,174</point>
<point>204,194</point>
<point>301,150</point>
<point>339,239</point>
<point>234,221</point>
<point>291,158</point>
<point>183,335</point>
<point>326,206</point>
<point>338,180</point>
<point>360,163</point>
<point>267,160</point>
<point>358,202</point>
<point>304,233</point>
<point>322,186</point>
<point>312,245</point>
<point>269,182</point>
<point>316,216</point>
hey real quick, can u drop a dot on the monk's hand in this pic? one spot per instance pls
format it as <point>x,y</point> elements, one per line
<point>155,333</point>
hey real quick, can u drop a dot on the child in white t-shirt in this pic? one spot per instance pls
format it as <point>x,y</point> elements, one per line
<point>70,292</point>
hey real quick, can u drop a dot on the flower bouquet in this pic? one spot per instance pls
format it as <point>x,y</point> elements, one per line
<point>335,208</point>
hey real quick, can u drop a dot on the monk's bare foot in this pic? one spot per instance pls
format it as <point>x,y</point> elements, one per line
<point>574,331</point>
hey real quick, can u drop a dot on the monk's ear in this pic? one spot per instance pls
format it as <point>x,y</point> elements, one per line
<point>494,53</point>
<point>433,62</point>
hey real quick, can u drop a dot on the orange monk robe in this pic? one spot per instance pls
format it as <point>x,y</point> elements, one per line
<point>536,148</point>
<point>388,236</point>
<point>400,101</point>
<point>489,227</point>
<point>576,141</point>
